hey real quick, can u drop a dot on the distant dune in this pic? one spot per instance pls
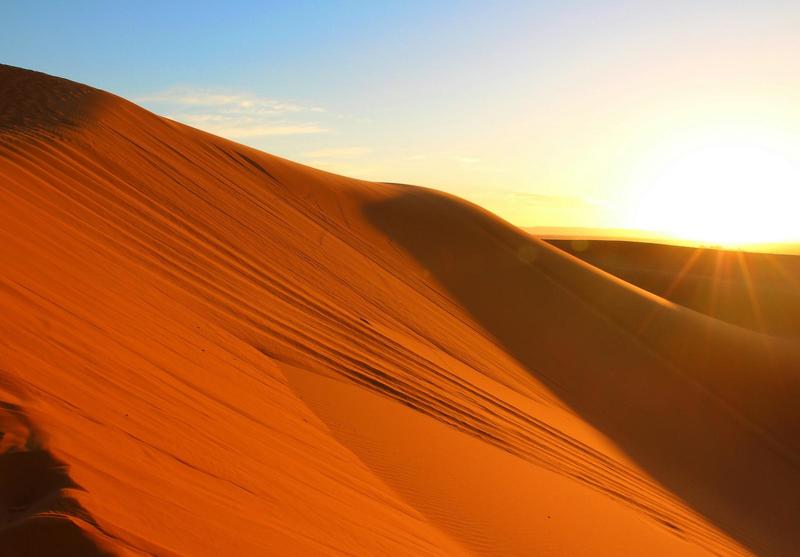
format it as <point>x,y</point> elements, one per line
<point>208,350</point>
<point>760,291</point>
<point>569,232</point>
<point>627,235</point>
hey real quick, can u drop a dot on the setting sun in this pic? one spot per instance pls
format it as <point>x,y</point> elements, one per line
<point>723,188</point>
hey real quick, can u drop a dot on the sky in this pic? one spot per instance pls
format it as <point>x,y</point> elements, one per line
<point>642,115</point>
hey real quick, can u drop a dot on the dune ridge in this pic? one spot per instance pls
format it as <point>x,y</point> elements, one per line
<point>755,290</point>
<point>233,353</point>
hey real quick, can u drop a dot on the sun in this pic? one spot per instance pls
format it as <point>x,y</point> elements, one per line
<point>726,188</point>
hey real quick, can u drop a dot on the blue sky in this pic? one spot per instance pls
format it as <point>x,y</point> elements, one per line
<point>537,110</point>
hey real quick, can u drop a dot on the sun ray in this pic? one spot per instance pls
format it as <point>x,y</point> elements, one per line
<point>754,302</point>
<point>713,297</point>
<point>687,266</point>
<point>775,263</point>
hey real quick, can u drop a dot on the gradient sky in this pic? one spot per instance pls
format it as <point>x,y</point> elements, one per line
<point>547,113</point>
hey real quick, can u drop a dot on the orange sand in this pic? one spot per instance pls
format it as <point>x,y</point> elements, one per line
<point>208,350</point>
<point>759,291</point>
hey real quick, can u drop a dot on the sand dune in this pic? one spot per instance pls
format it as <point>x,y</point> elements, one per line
<point>208,350</point>
<point>759,291</point>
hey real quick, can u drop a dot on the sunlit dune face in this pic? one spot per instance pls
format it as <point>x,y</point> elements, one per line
<point>724,189</point>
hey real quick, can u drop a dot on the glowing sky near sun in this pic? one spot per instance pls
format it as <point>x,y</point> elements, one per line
<point>676,116</point>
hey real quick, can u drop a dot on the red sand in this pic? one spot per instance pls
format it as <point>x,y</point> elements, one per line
<point>207,350</point>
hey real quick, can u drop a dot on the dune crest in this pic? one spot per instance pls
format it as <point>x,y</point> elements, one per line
<point>233,353</point>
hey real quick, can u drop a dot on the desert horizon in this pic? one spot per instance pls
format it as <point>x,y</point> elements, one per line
<point>241,324</point>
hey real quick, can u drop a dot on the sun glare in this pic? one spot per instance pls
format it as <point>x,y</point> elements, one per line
<point>729,189</point>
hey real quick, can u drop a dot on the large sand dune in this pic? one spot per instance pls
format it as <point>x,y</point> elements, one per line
<point>208,350</point>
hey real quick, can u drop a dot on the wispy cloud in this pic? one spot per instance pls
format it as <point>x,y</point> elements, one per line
<point>338,153</point>
<point>235,115</point>
<point>465,160</point>
<point>557,201</point>
<point>231,101</point>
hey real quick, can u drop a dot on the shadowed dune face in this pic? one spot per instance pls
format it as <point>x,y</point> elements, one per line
<point>233,353</point>
<point>601,347</point>
<point>37,509</point>
<point>760,291</point>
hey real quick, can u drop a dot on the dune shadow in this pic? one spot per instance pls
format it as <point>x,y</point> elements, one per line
<point>38,514</point>
<point>681,435</point>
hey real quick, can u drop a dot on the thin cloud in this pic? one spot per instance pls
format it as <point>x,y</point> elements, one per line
<point>337,152</point>
<point>188,97</point>
<point>235,115</point>
<point>558,201</point>
<point>465,160</point>
<point>245,131</point>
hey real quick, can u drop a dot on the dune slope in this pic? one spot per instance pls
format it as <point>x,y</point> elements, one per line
<point>208,350</point>
<point>759,291</point>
